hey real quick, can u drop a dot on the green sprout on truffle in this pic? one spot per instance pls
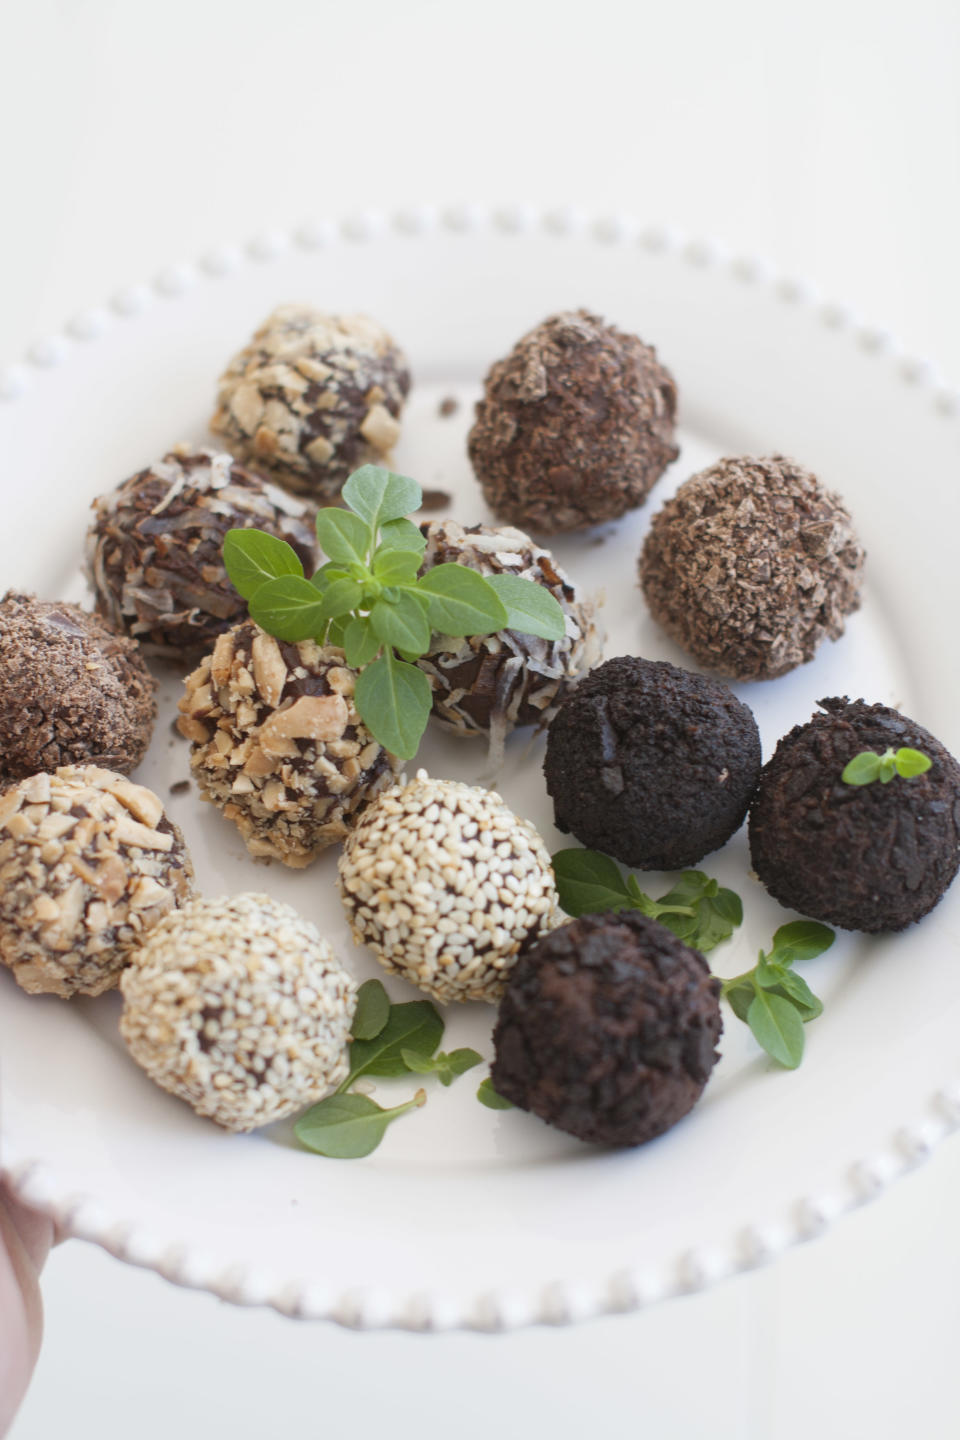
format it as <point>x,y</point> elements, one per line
<point>868,766</point>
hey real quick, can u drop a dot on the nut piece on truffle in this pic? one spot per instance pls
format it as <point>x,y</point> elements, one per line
<point>607,1029</point>
<point>90,863</point>
<point>312,397</point>
<point>240,1008</point>
<point>575,426</point>
<point>278,744</point>
<point>487,684</point>
<point>154,549</point>
<point>751,565</point>
<point>72,691</point>
<point>651,764</point>
<point>863,857</point>
<point>446,885</point>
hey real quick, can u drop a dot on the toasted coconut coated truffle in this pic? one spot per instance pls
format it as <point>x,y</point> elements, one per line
<point>574,427</point>
<point>864,857</point>
<point>278,744</point>
<point>72,691</point>
<point>446,885</point>
<point>154,549</point>
<point>608,1029</point>
<point>90,863</point>
<point>312,397</point>
<point>238,1007</point>
<point>651,764</point>
<point>487,684</point>
<point>751,565</point>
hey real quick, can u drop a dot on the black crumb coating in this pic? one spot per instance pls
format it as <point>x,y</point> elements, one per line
<point>608,1029</point>
<point>651,764</point>
<point>869,857</point>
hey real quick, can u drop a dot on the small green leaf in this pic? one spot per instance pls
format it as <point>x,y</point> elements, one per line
<point>394,699</point>
<point>372,1012</point>
<point>412,1026</point>
<point>343,537</point>
<point>739,994</point>
<point>777,1027</point>
<point>340,597</point>
<point>347,1127</point>
<point>360,644</point>
<point>334,635</point>
<point>888,766</point>
<point>379,496</point>
<point>252,557</point>
<point>796,989</point>
<point>403,623</point>
<point>328,573</point>
<point>461,601</point>
<point>403,535</point>
<point>800,940</point>
<point>863,769</point>
<point>489,1097</point>
<point>530,607</point>
<point>729,906</point>
<point>589,883</point>
<point>289,608</point>
<point>395,567</point>
<point>911,762</point>
<point>445,1067</point>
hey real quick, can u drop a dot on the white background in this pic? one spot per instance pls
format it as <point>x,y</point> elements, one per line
<point>826,136</point>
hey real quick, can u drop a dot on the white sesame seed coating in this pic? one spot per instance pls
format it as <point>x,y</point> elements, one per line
<point>446,885</point>
<point>240,1008</point>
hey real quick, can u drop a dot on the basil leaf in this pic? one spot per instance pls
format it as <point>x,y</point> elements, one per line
<point>360,644</point>
<point>402,623</point>
<point>331,571</point>
<point>445,1067</point>
<point>395,567</point>
<point>394,699</point>
<point>796,989</point>
<point>289,608</point>
<point>530,607</point>
<point>413,1026</point>
<point>461,601</point>
<point>693,885</point>
<point>909,762</point>
<point>800,940</point>
<point>729,906</point>
<point>403,535</point>
<point>372,1012</point>
<point>334,635</point>
<point>777,1027</point>
<point>863,769</point>
<point>489,1097</point>
<point>739,994</point>
<point>589,883</point>
<point>343,536</point>
<point>252,557</point>
<point>340,597</point>
<point>378,496</point>
<point>347,1127</point>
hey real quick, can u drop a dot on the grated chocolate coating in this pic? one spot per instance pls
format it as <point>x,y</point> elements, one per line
<point>751,565</point>
<point>240,1008</point>
<point>864,857</point>
<point>312,397</point>
<point>575,426</point>
<point>72,691</point>
<point>154,549</point>
<point>89,864</point>
<point>278,744</point>
<point>446,885</point>
<point>651,764</point>
<point>608,1029</point>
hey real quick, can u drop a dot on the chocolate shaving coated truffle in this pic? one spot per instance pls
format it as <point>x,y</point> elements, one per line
<point>575,426</point>
<point>651,764</point>
<point>72,691</point>
<point>278,744</point>
<point>607,1029</point>
<point>89,863</point>
<point>154,549</point>
<point>866,857</point>
<point>751,565</point>
<point>312,397</point>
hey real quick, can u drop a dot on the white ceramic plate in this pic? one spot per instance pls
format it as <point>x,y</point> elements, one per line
<point>464,1216</point>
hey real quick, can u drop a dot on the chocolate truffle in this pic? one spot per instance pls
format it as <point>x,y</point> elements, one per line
<point>446,885</point>
<point>278,744</point>
<point>312,397</point>
<point>72,691</point>
<point>487,684</point>
<point>865,857</point>
<point>751,565</point>
<point>574,427</point>
<point>608,1029</point>
<point>651,764</point>
<point>240,1008</point>
<point>90,863</point>
<point>154,549</point>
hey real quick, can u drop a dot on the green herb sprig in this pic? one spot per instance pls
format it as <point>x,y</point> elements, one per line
<point>772,999</point>
<point>491,1098</point>
<point>868,766</point>
<point>698,910</point>
<point>371,599</point>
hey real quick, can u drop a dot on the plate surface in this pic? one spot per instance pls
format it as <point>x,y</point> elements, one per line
<point>464,1216</point>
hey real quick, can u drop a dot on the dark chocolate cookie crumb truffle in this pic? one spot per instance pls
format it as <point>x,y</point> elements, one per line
<point>651,764</point>
<point>575,426</point>
<point>312,397</point>
<point>865,857</point>
<point>751,565</point>
<point>154,549</point>
<point>608,1029</point>
<point>72,691</point>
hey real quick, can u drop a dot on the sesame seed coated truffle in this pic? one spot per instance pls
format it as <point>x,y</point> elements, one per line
<point>240,1008</point>
<point>312,397</point>
<point>751,565</point>
<point>446,885</point>
<point>278,744</point>
<point>575,426</point>
<point>90,864</point>
<point>72,690</point>
<point>154,550</point>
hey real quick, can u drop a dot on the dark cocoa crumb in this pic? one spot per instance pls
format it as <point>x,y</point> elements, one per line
<point>180,787</point>
<point>449,405</point>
